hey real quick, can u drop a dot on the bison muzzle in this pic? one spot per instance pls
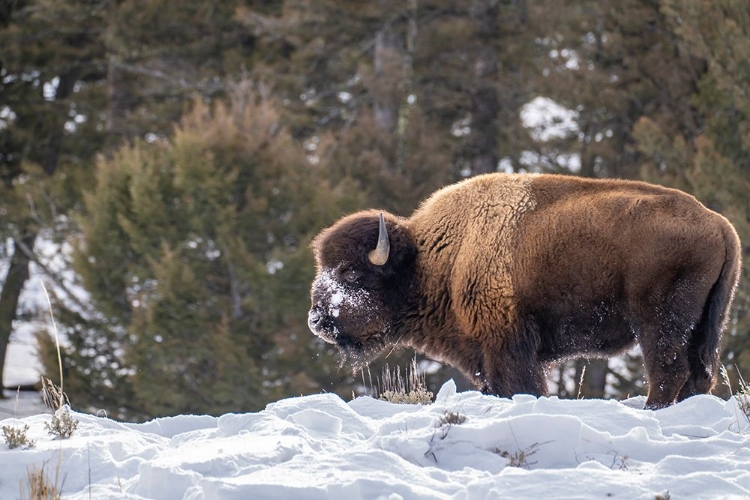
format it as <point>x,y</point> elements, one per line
<point>502,275</point>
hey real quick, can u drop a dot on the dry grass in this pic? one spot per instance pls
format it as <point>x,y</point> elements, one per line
<point>520,458</point>
<point>395,388</point>
<point>53,396</point>
<point>63,425</point>
<point>16,437</point>
<point>452,418</point>
<point>38,485</point>
<point>742,396</point>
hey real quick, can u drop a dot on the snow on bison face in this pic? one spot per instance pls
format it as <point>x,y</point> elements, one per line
<point>357,291</point>
<point>346,313</point>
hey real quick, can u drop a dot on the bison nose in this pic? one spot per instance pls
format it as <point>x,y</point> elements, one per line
<point>314,318</point>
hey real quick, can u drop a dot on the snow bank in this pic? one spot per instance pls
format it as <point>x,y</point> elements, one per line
<point>320,447</point>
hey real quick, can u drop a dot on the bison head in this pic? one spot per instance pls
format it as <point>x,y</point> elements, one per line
<point>364,269</point>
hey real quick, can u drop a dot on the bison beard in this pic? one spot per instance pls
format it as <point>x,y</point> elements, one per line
<point>502,275</point>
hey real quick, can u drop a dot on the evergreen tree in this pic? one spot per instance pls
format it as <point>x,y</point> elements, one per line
<point>189,247</point>
<point>194,241</point>
<point>160,54</point>
<point>50,62</point>
<point>714,163</point>
<point>620,66</point>
<point>615,62</point>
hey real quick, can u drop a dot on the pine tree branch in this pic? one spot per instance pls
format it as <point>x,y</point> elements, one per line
<point>171,79</point>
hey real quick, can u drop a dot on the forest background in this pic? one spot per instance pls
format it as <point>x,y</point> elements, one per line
<point>180,155</point>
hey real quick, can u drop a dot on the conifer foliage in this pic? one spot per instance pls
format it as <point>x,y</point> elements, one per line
<point>188,151</point>
<point>185,245</point>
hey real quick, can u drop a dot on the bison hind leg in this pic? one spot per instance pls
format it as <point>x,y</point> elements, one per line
<point>701,381</point>
<point>705,340</point>
<point>667,363</point>
<point>680,341</point>
<point>668,371</point>
<point>703,364</point>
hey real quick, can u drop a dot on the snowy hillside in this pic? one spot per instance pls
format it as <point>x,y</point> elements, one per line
<point>320,447</point>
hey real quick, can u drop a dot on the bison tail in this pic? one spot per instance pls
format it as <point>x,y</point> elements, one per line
<point>716,312</point>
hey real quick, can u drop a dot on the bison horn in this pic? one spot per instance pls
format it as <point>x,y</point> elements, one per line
<point>379,256</point>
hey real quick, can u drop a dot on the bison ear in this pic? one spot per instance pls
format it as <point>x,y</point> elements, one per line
<point>379,256</point>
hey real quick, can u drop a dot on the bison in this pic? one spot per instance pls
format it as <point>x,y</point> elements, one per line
<point>502,275</point>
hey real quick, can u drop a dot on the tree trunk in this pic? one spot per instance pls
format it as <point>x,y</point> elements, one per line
<point>485,104</point>
<point>388,62</point>
<point>587,158</point>
<point>403,118</point>
<point>53,142</point>
<point>18,273</point>
<point>591,377</point>
<point>18,270</point>
<point>119,103</point>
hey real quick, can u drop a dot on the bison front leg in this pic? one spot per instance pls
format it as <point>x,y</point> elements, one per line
<point>511,367</point>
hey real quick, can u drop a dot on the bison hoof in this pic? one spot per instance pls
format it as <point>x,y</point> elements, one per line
<point>655,406</point>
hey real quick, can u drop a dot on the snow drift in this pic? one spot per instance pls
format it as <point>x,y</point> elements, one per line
<point>320,447</point>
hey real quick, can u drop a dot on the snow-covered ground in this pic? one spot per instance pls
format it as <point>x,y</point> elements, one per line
<point>321,447</point>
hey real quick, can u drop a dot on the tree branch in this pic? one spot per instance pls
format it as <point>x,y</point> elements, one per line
<point>29,253</point>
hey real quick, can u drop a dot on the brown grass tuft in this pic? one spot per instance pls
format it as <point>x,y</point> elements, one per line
<point>16,437</point>
<point>395,388</point>
<point>38,486</point>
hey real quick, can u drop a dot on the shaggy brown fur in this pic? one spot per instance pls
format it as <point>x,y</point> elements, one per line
<point>501,275</point>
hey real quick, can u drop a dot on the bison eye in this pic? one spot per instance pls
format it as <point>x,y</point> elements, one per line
<point>351,276</point>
